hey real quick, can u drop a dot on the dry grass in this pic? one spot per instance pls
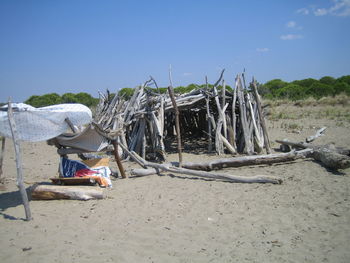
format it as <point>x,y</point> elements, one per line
<point>333,108</point>
<point>340,100</point>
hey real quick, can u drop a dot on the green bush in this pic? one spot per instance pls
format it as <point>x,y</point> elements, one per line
<point>341,87</point>
<point>319,90</point>
<point>292,92</point>
<point>326,86</point>
<point>272,86</point>
<point>345,79</point>
<point>69,98</point>
<point>86,99</point>
<point>187,89</point>
<point>327,80</point>
<point>44,100</point>
<point>54,98</point>
<point>306,83</point>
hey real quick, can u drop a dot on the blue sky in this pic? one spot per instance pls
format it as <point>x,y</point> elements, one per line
<point>88,46</point>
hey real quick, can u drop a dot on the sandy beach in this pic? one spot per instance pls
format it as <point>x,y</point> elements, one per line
<point>176,218</point>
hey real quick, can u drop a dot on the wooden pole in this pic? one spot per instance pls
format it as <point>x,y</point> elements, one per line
<point>117,159</point>
<point>3,141</point>
<point>20,183</point>
<point>243,115</point>
<point>177,123</point>
<point>262,119</point>
<point>234,117</point>
<point>207,99</point>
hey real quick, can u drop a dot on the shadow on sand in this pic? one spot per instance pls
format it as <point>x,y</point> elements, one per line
<point>11,199</point>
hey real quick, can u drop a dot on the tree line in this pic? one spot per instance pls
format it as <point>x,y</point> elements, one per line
<point>278,89</point>
<point>273,89</point>
<point>302,89</point>
<point>54,98</point>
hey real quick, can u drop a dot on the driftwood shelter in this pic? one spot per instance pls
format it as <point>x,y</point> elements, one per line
<point>224,121</point>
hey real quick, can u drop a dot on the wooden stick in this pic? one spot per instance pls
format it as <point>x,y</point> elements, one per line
<point>261,117</point>
<point>234,117</point>
<point>117,159</point>
<point>131,155</point>
<point>221,112</point>
<point>20,183</point>
<point>2,154</point>
<point>228,146</point>
<point>71,125</point>
<point>318,134</point>
<point>223,94</point>
<point>177,123</point>
<point>209,120</point>
<point>258,138</point>
<point>243,116</point>
<point>301,145</point>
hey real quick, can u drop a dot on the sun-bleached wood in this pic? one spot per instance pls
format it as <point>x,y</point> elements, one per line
<point>54,192</point>
<point>20,183</point>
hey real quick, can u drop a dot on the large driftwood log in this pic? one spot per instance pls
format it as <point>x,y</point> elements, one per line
<point>330,156</point>
<point>54,192</point>
<point>304,145</point>
<point>247,160</point>
<point>226,177</point>
<point>331,159</point>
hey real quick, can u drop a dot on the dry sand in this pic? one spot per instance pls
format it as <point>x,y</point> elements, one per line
<point>173,218</point>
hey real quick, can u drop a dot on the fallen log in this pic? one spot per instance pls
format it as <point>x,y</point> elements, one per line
<point>331,159</point>
<point>247,160</point>
<point>330,156</point>
<point>304,145</point>
<point>225,177</point>
<point>54,192</point>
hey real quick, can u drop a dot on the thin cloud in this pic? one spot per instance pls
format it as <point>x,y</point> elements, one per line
<point>303,11</point>
<point>262,49</point>
<point>293,25</point>
<point>320,12</point>
<point>291,37</point>
<point>338,8</point>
